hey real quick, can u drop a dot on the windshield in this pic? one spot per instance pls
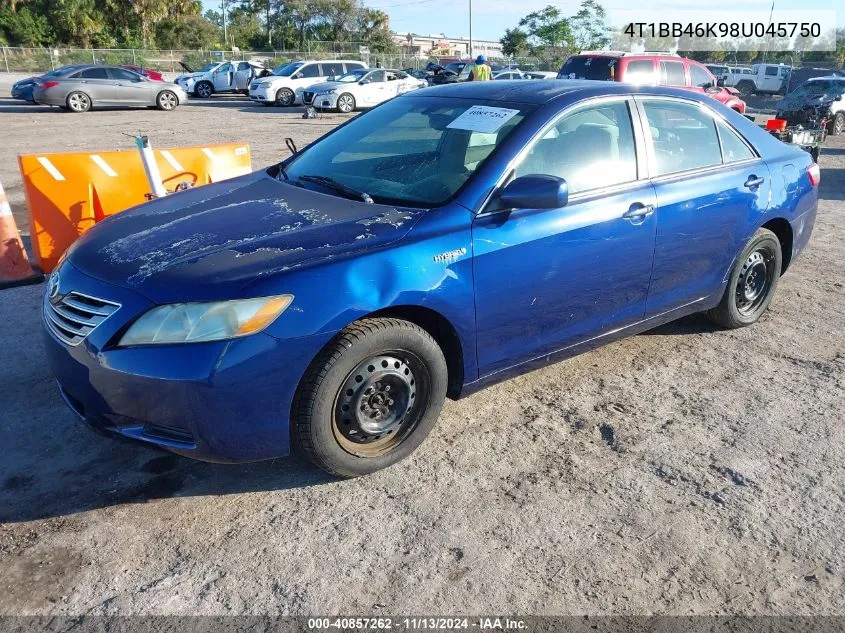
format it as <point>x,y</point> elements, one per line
<point>821,87</point>
<point>352,76</point>
<point>456,67</point>
<point>287,70</point>
<point>597,67</point>
<point>411,151</point>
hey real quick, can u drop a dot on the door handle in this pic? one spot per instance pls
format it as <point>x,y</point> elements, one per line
<point>753,181</point>
<point>638,212</point>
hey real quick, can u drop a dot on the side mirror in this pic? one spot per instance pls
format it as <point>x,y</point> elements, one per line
<point>720,82</point>
<point>363,82</point>
<point>535,192</point>
<point>297,76</point>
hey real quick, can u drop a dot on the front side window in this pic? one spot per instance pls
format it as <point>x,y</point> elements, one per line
<point>225,68</point>
<point>591,148</point>
<point>598,67</point>
<point>410,151</point>
<point>700,77</point>
<point>733,147</point>
<point>672,74</point>
<point>376,76</point>
<point>310,71</point>
<point>124,75</point>
<point>683,135</point>
<point>772,71</point>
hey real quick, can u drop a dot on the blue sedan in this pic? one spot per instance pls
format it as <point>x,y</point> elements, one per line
<point>446,240</point>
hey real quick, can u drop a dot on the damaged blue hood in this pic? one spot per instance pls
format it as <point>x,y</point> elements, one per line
<point>210,242</point>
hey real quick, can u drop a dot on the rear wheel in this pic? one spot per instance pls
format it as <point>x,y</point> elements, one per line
<point>284,97</point>
<point>752,283</point>
<point>78,102</point>
<point>167,100</point>
<point>370,397</point>
<point>746,88</point>
<point>204,89</point>
<point>837,125</point>
<point>346,103</point>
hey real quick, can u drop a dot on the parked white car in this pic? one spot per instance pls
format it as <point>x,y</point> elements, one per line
<point>540,74</point>
<point>362,88</point>
<point>221,76</point>
<point>508,74</point>
<point>280,88</point>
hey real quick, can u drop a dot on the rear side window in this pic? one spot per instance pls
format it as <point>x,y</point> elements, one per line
<point>699,77</point>
<point>672,74</point>
<point>92,73</point>
<point>640,72</point>
<point>733,147</point>
<point>772,71</point>
<point>332,69</point>
<point>597,67</point>
<point>684,136</point>
<point>353,66</point>
<point>591,148</point>
<point>310,71</point>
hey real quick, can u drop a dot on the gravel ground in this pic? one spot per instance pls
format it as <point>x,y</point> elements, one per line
<point>684,471</point>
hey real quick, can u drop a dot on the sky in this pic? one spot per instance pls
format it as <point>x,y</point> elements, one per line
<point>490,18</point>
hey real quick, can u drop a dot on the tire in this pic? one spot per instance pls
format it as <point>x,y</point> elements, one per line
<point>204,89</point>
<point>78,102</point>
<point>837,125</point>
<point>746,88</point>
<point>346,103</point>
<point>370,397</point>
<point>167,100</point>
<point>285,97</point>
<point>752,283</point>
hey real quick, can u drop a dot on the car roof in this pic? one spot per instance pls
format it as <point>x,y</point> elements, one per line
<point>540,92</point>
<point>827,78</point>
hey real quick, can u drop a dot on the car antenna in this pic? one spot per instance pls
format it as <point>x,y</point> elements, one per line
<point>291,145</point>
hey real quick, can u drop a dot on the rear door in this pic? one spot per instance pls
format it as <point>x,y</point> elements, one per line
<point>549,279</point>
<point>673,73</point>
<point>130,88</point>
<point>97,84</point>
<point>243,75</point>
<point>709,184</point>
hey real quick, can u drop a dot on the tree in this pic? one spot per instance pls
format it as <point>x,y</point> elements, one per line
<point>149,13</point>
<point>23,27</point>
<point>514,42</point>
<point>548,27</point>
<point>589,26</point>
<point>77,21</point>
<point>373,27</point>
<point>189,32</point>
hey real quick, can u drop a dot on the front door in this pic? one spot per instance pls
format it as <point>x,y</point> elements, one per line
<point>549,279</point>
<point>224,78</point>
<point>709,184</point>
<point>130,88</point>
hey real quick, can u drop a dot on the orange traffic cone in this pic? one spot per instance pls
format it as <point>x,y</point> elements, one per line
<point>15,269</point>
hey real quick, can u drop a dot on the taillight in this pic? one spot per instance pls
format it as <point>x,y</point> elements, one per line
<point>815,174</point>
<point>49,84</point>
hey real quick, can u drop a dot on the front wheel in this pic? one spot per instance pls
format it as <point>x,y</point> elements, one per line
<point>370,397</point>
<point>746,88</point>
<point>752,283</point>
<point>167,100</point>
<point>346,103</point>
<point>285,97</point>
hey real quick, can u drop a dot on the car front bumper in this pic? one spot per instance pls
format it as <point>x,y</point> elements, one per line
<point>262,94</point>
<point>223,401</point>
<point>326,100</point>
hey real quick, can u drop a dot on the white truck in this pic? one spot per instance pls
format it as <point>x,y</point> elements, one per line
<point>759,78</point>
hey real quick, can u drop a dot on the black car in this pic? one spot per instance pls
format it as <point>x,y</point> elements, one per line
<point>815,100</point>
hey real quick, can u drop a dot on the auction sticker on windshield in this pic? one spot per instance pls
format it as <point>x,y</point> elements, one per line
<point>483,119</point>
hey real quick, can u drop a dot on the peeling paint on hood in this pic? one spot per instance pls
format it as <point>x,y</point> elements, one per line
<point>211,241</point>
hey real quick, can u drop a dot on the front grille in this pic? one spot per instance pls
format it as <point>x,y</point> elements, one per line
<point>307,97</point>
<point>76,315</point>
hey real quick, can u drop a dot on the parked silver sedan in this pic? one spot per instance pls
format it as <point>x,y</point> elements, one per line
<point>95,85</point>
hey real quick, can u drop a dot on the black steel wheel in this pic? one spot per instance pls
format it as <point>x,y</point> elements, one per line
<point>752,283</point>
<point>370,397</point>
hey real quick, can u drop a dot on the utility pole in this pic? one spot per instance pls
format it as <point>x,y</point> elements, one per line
<point>470,28</point>
<point>225,37</point>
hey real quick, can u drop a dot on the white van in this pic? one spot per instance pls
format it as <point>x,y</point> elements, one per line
<point>280,87</point>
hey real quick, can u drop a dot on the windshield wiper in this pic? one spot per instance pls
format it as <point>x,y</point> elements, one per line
<point>331,183</point>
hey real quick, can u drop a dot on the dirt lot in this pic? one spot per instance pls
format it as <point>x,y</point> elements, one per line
<point>685,471</point>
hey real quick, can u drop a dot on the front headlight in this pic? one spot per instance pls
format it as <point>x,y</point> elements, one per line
<point>212,321</point>
<point>325,92</point>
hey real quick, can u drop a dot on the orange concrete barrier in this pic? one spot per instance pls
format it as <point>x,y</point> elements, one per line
<point>68,193</point>
<point>15,269</point>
